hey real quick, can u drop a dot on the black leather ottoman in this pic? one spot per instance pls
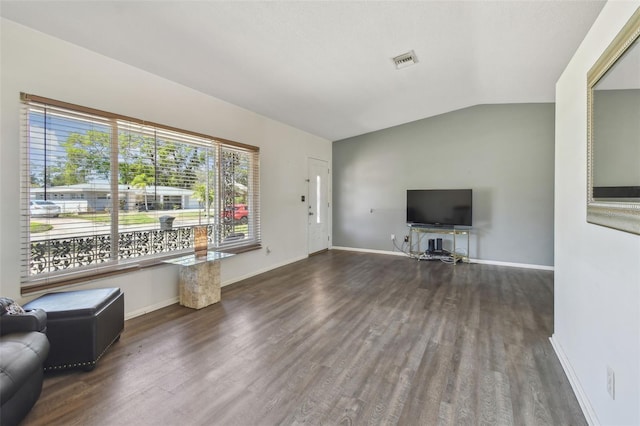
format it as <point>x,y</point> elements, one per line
<point>81,325</point>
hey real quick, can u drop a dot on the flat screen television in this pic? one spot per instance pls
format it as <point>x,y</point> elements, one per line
<point>439,207</point>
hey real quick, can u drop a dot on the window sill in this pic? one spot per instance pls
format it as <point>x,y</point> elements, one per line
<point>241,249</point>
<point>79,277</point>
<point>49,283</point>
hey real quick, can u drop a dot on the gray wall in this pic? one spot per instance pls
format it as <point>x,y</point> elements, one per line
<point>616,132</point>
<point>505,153</point>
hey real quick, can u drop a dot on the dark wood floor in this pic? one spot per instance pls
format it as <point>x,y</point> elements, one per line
<point>340,338</point>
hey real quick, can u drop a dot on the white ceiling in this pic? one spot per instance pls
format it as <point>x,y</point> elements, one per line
<point>325,66</point>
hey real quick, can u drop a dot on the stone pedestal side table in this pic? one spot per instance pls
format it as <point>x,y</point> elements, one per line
<point>200,284</point>
<point>199,279</point>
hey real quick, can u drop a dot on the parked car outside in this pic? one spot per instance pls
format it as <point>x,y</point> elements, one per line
<point>44,208</point>
<point>240,213</point>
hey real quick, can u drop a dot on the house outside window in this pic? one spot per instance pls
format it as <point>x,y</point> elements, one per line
<point>126,191</point>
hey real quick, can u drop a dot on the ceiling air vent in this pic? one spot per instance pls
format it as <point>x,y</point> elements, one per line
<point>405,60</point>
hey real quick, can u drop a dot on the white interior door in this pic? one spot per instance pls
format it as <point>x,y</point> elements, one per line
<point>318,202</point>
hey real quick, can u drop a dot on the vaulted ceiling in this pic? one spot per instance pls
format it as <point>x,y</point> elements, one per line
<point>326,66</point>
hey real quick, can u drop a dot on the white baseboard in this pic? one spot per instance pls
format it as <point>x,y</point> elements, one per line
<point>393,253</point>
<point>587,409</point>
<point>485,262</point>
<point>151,308</point>
<point>261,271</point>
<point>513,265</point>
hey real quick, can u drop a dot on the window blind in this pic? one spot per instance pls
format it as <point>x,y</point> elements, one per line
<point>101,192</point>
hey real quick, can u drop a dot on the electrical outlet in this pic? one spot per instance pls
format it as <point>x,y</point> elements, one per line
<point>393,237</point>
<point>611,382</point>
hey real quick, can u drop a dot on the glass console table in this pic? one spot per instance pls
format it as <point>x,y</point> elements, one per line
<point>199,278</point>
<point>418,250</point>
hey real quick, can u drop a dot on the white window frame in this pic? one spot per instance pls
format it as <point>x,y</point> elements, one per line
<point>222,235</point>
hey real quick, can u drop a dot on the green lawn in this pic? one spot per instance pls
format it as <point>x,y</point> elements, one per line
<point>244,229</point>
<point>40,227</point>
<point>137,218</point>
<point>124,218</point>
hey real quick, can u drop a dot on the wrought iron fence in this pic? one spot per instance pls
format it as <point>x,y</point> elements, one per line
<point>73,252</point>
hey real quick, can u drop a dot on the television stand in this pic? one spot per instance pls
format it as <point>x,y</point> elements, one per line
<point>419,250</point>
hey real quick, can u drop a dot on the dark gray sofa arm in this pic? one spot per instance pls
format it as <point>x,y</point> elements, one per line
<point>33,320</point>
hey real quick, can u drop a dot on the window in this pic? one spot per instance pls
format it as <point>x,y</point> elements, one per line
<point>136,191</point>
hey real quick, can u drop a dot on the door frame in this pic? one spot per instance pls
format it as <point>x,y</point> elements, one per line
<point>327,209</point>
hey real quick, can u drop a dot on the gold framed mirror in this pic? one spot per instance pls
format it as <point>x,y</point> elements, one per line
<point>613,133</point>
